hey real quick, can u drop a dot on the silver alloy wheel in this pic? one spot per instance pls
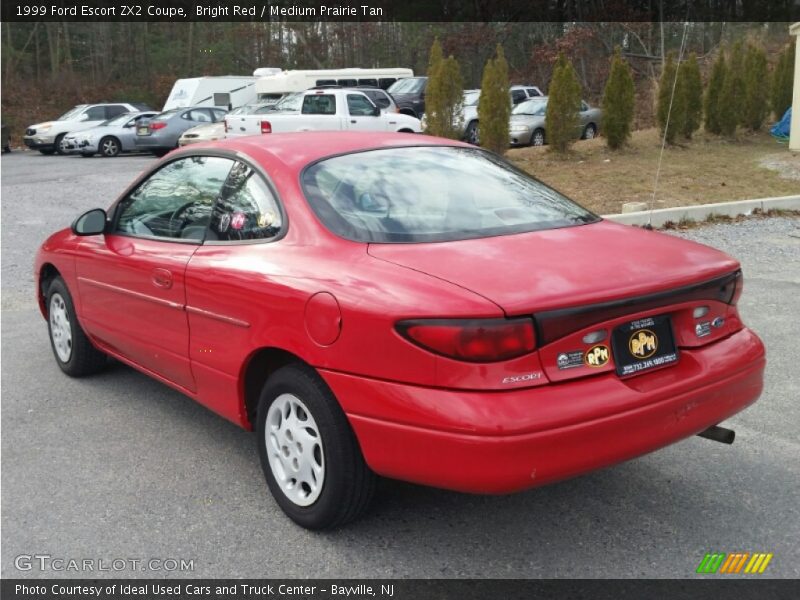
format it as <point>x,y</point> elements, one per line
<point>60,328</point>
<point>295,450</point>
<point>110,147</point>
<point>589,133</point>
<point>538,138</point>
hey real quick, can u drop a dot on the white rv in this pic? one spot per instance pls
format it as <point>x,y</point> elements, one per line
<point>274,86</point>
<point>227,91</point>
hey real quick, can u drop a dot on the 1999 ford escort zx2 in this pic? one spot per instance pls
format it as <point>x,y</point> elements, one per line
<point>397,305</point>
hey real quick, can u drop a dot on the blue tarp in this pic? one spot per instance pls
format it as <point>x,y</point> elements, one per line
<point>781,129</point>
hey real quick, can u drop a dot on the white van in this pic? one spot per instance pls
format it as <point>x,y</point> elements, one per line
<point>227,91</point>
<point>273,87</point>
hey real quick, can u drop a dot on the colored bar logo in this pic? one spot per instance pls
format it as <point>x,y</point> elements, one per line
<point>735,563</point>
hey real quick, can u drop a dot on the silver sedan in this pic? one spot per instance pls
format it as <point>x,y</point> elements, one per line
<point>527,125</point>
<point>110,138</point>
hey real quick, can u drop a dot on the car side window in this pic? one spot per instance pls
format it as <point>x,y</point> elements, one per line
<point>114,110</point>
<point>96,113</point>
<point>532,92</point>
<point>517,96</point>
<point>176,201</point>
<point>379,98</point>
<point>319,104</point>
<point>359,106</point>
<point>199,115</point>
<point>246,209</point>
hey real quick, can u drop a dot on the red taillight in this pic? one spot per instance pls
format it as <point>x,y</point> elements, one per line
<point>266,127</point>
<point>157,125</point>
<point>472,340</point>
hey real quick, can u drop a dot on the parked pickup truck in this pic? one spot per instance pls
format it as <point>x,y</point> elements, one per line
<point>324,110</point>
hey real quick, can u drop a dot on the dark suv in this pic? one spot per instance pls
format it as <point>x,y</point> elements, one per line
<point>409,95</point>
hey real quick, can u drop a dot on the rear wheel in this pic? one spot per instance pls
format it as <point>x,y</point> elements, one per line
<point>589,132</point>
<point>74,353</point>
<point>310,457</point>
<point>471,136</point>
<point>109,146</point>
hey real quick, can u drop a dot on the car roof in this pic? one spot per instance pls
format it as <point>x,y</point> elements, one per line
<point>296,150</point>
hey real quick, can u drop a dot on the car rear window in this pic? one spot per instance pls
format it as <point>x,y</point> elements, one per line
<point>432,194</point>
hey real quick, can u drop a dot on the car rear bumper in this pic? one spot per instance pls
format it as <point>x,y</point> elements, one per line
<point>472,442</point>
<point>149,142</point>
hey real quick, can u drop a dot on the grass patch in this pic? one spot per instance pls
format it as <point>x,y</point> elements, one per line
<point>706,170</point>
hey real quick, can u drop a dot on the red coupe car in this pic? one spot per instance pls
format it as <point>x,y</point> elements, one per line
<point>400,305</point>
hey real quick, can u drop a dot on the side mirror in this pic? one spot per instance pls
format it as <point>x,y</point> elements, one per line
<point>92,222</point>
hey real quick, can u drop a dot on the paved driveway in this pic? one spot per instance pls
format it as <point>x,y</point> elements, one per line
<point>118,466</point>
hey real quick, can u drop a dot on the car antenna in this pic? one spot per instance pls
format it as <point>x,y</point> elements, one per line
<point>666,126</point>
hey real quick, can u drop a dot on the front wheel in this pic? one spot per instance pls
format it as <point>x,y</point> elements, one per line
<point>59,144</point>
<point>74,353</point>
<point>589,132</point>
<point>537,139</point>
<point>310,457</point>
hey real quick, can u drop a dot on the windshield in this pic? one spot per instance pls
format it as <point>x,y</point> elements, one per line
<point>432,194</point>
<point>118,120</point>
<point>407,86</point>
<point>535,106</point>
<point>471,98</point>
<point>71,112</point>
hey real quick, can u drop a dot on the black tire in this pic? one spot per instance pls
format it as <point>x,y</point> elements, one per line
<point>471,134</point>
<point>87,154</point>
<point>109,147</point>
<point>47,152</point>
<point>348,484</point>
<point>159,153</point>
<point>537,138</point>
<point>57,144</point>
<point>84,358</point>
<point>6,149</point>
<point>589,132</point>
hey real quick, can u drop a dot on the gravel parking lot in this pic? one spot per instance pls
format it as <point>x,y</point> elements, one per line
<point>119,466</point>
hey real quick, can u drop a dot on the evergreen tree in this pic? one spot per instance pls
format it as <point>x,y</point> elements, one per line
<point>563,106</point>
<point>713,92</point>
<point>618,103</point>
<point>755,103</point>
<point>692,90</point>
<point>728,103</point>
<point>736,69</point>
<point>432,116</point>
<point>671,109</point>
<point>445,99</point>
<point>782,82</point>
<point>494,106</point>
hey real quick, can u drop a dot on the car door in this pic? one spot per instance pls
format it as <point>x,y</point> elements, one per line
<point>131,279</point>
<point>363,115</point>
<point>231,294</point>
<point>319,112</point>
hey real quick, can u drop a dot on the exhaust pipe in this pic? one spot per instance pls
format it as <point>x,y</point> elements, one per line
<point>718,434</point>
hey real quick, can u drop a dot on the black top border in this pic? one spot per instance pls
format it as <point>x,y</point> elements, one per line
<point>401,10</point>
